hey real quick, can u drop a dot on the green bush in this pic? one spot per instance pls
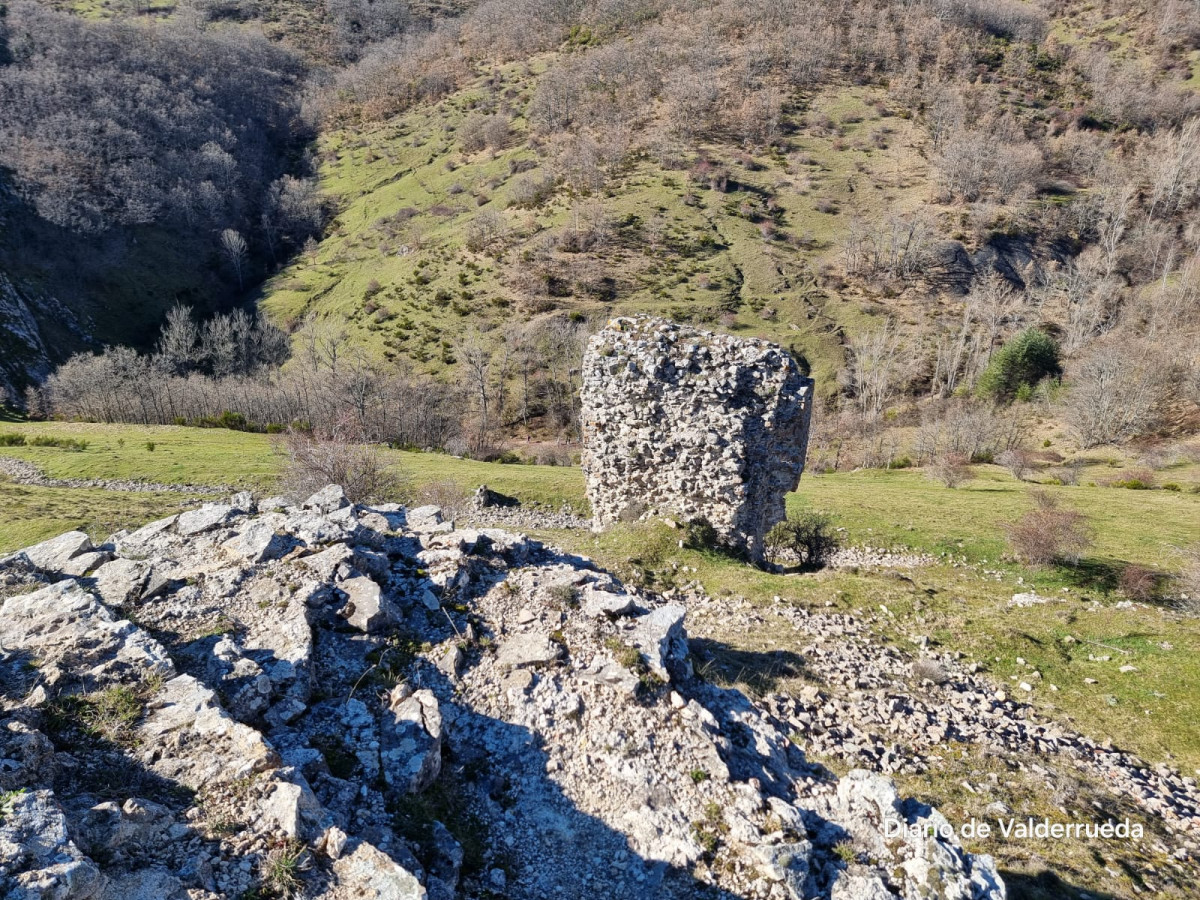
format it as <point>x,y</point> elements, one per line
<point>61,443</point>
<point>12,440</point>
<point>1019,365</point>
<point>810,536</point>
<point>234,421</point>
<point>699,534</point>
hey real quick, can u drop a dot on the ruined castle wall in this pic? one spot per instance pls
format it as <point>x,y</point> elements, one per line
<point>687,423</point>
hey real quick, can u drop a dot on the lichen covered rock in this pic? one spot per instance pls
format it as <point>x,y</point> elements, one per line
<point>695,425</point>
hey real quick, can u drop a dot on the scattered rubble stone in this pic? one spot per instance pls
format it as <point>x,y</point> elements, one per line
<point>21,472</point>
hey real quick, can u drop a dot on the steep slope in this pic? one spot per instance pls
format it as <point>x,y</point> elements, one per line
<point>433,236</point>
<point>949,177</point>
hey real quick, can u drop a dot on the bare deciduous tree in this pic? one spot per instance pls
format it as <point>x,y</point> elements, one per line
<point>1116,392</point>
<point>875,368</point>
<point>233,245</point>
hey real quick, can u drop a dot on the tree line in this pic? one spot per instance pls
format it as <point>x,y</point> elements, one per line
<point>237,371</point>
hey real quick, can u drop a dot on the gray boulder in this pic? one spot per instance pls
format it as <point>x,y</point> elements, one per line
<point>329,498</point>
<point>53,555</point>
<point>424,517</point>
<point>411,735</point>
<point>38,859</point>
<point>367,873</point>
<point>529,649</point>
<point>367,607</point>
<point>257,542</point>
<point>660,637</point>
<point>206,518</point>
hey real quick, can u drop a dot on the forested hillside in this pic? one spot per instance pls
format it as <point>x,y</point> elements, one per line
<point>927,202</point>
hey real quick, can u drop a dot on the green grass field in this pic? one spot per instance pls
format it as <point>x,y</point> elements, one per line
<point>32,514</point>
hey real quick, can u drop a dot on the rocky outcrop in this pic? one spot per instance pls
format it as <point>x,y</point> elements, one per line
<point>694,425</point>
<point>23,355</point>
<point>225,707</point>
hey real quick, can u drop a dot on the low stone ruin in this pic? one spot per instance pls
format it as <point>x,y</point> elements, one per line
<point>337,701</point>
<point>691,424</point>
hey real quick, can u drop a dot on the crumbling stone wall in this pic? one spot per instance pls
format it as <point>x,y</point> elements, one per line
<point>691,424</point>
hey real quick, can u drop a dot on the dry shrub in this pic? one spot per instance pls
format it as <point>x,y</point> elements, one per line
<point>950,469</point>
<point>1189,582</point>
<point>1050,533</point>
<point>337,457</point>
<point>444,493</point>
<point>929,670</point>
<point>1139,583</point>
<point>1135,480</point>
<point>1017,461</point>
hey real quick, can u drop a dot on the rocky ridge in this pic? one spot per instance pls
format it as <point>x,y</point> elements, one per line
<point>256,699</point>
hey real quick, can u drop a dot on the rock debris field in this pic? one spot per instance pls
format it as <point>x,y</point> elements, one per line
<point>256,699</point>
<point>887,711</point>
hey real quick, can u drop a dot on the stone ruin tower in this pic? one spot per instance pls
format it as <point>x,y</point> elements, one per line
<point>691,424</point>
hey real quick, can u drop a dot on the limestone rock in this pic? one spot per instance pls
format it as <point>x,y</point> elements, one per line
<point>206,518</point>
<point>144,536</point>
<point>257,542</point>
<point>787,864</point>
<point>661,638</point>
<point>206,746</point>
<point>367,873</point>
<point>84,563</point>
<point>326,500</point>
<point>54,554</point>
<point>598,603</point>
<point>691,424</point>
<point>424,517</point>
<point>110,825</point>
<point>119,581</point>
<point>155,883</point>
<point>325,564</point>
<point>283,726</point>
<point>412,741</point>
<point>367,608</point>
<point>38,859</point>
<point>485,498</point>
<point>26,756</point>
<point>532,649</point>
<point>290,808</point>
<point>64,624</point>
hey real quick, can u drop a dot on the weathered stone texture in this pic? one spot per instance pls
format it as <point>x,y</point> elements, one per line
<point>687,423</point>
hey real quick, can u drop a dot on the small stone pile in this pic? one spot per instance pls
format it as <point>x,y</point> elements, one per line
<point>690,424</point>
<point>20,472</point>
<point>343,701</point>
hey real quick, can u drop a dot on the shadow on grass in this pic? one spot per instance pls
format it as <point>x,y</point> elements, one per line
<point>761,671</point>
<point>1098,575</point>
<point>1045,885</point>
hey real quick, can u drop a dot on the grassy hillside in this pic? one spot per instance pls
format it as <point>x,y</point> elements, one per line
<point>733,241</point>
